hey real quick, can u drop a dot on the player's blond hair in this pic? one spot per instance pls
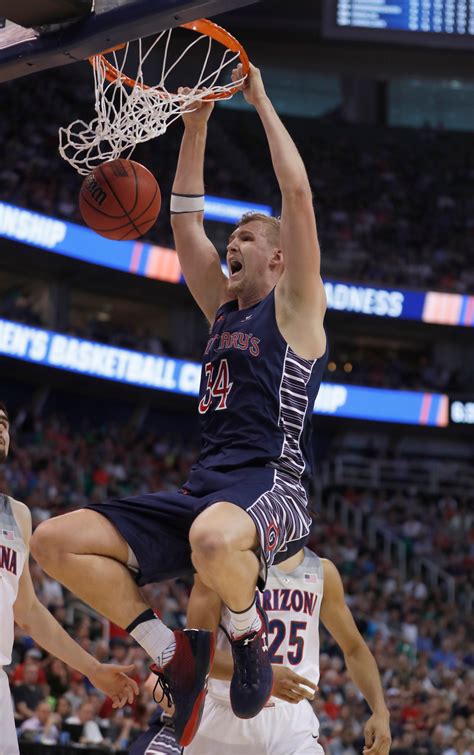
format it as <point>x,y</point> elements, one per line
<point>272,225</point>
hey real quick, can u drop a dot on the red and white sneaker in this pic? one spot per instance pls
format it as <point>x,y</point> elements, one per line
<point>184,680</point>
<point>252,681</point>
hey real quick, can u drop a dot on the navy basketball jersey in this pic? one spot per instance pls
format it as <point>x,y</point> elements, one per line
<point>256,396</point>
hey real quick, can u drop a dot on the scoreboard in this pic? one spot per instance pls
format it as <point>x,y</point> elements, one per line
<point>439,23</point>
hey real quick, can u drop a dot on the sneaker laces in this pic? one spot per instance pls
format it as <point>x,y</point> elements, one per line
<point>246,659</point>
<point>165,685</point>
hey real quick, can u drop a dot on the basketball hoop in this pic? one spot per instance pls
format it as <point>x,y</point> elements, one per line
<point>129,111</point>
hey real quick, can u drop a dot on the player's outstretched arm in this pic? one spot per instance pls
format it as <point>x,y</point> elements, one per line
<point>360,662</point>
<point>300,288</point>
<point>198,257</point>
<point>36,620</point>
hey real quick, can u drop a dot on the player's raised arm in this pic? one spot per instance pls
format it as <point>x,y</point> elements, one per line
<point>300,291</point>
<point>35,619</point>
<point>360,662</point>
<point>198,257</point>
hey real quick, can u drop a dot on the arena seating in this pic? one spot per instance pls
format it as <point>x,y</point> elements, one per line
<point>419,641</point>
<point>394,206</point>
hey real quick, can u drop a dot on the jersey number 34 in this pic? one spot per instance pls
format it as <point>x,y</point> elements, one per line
<point>217,388</point>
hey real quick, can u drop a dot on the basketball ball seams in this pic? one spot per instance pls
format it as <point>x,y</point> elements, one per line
<point>136,184</point>
<point>103,231</point>
<point>117,198</point>
<point>86,201</point>
<point>156,191</point>
<point>147,223</point>
<point>137,217</point>
<point>93,184</point>
<point>113,217</point>
<point>126,223</point>
<point>115,186</point>
<point>99,211</point>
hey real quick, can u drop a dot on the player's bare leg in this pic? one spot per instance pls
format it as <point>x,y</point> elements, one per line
<point>87,554</point>
<point>223,539</point>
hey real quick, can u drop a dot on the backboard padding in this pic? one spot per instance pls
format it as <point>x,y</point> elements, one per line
<point>115,21</point>
<point>28,14</point>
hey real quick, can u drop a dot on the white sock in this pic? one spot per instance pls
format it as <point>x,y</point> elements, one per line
<point>154,637</point>
<point>243,622</point>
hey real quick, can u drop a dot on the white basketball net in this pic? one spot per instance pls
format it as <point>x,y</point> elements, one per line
<point>127,116</point>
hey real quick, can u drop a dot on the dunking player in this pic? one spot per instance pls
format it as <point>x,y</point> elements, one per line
<point>262,369</point>
<point>19,603</point>
<point>299,592</point>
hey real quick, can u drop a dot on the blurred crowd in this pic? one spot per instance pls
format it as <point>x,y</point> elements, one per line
<point>422,649</point>
<point>420,641</point>
<point>56,705</point>
<point>429,524</point>
<point>394,206</point>
<point>387,365</point>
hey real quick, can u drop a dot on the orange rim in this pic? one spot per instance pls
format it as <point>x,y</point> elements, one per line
<point>202,26</point>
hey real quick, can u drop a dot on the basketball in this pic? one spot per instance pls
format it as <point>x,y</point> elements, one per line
<point>120,200</point>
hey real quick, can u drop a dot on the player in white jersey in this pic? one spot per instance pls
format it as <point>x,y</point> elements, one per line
<point>19,603</point>
<point>299,592</point>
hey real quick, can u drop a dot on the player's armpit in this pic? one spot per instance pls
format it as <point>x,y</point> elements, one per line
<point>300,322</point>
<point>291,687</point>
<point>23,518</point>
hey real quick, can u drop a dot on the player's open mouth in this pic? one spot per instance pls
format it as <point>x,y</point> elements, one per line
<point>235,267</point>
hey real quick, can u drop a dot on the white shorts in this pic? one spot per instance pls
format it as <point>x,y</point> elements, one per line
<point>8,738</point>
<point>278,730</point>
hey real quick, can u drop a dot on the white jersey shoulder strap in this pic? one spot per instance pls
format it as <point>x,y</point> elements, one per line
<point>9,528</point>
<point>12,559</point>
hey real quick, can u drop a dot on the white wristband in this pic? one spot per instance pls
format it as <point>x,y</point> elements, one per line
<point>186,203</point>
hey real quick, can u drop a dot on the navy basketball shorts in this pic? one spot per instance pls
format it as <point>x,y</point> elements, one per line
<point>156,525</point>
<point>159,738</point>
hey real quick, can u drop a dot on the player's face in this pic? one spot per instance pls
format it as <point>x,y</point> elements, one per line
<point>4,436</point>
<point>249,253</point>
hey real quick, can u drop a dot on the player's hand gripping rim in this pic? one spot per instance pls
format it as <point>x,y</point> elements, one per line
<point>252,86</point>
<point>198,110</point>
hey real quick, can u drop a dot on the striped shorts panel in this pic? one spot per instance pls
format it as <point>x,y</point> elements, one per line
<point>282,519</point>
<point>158,740</point>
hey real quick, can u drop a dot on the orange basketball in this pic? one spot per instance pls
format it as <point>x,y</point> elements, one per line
<point>120,200</point>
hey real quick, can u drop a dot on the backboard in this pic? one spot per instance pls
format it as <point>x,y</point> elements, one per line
<point>59,38</point>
